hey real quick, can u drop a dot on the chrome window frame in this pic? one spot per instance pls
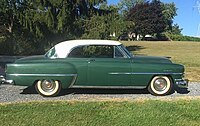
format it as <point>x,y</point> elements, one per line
<point>120,50</point>
<point>130,55</point>
<point>123,51</point>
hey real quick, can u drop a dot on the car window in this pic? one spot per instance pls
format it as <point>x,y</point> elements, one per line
<point>51,53</point>
<point>92,51</point>
<point>77,52</point>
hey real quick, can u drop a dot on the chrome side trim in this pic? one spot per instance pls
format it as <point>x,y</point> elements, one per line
<point>110,87</point>
<point>120,73</point>
<point>73,81</point>
<point>178,79</point>
<point>144,73</point>
<point>37,75</point>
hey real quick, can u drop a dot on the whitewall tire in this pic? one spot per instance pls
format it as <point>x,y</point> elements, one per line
<point>48,88</point>
<point>160,85</point>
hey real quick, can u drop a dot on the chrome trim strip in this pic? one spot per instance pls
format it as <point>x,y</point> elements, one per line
<point>73,81</point>
<point>56,75</point>
<point>178,79</point>
<point>109,87</point>
<point>144,73</point>
<point>122,51</point>
<point>120,73</point>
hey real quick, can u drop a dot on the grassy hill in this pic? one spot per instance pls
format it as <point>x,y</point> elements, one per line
<point>186,53</point>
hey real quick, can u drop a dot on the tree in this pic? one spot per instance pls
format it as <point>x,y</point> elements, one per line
<point>105,25</point>
<point>124,8</point>
<point>46,21</point>
<point>169,12</point>
<point>126,5</point>
<point>176,30</point>
<point>96,27</point>
<point>148,18</point>
<point>57,18</point>
<point>8,21</point>
<point>116,23</point>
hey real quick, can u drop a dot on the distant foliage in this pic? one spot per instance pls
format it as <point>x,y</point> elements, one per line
<point>175,37</point>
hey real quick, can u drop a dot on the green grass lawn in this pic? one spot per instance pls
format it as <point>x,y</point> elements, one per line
<point>104,113</point>
<point>186,53</point>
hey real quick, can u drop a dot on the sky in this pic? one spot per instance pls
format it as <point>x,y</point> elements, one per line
<point>188,16</point>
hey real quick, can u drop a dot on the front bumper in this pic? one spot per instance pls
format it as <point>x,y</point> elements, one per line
<point>182,83</point>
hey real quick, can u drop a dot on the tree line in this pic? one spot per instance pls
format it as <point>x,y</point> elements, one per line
<point>30,27</point>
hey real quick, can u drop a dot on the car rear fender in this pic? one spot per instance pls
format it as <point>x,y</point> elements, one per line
<point>27,73</point>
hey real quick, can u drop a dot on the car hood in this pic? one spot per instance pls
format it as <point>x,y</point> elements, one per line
<point>151,59</point>
<point>31,58</point>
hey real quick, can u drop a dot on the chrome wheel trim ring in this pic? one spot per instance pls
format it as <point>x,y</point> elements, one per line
<point>160,84</point>
<point>48,85</point>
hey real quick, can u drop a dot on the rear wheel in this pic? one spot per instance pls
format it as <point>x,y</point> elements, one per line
<point>48,88</point>
<point>160,85</point>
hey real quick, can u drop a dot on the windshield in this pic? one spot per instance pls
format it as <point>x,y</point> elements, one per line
<point>51,53</point>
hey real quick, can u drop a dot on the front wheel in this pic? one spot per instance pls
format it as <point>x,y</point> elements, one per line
<point>160,85</point>
<point>48,88</point>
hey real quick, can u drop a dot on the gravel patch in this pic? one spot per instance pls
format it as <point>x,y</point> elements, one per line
<point>10,94</point>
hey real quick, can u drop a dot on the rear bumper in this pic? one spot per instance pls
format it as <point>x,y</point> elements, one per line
<point>1,79</point>
<point>182,83</point>
<point>4,81</point>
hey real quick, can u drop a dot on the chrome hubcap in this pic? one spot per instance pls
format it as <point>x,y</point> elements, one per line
<point>160,84</point>
<point>48,85</point>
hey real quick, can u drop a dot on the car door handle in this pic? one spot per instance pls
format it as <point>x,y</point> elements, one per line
<point>92,60</point>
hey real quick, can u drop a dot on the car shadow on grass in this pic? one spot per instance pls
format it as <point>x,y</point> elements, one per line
<point>134,48</point>
<point>31,90</point>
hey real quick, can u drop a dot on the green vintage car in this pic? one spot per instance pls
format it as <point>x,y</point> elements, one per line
<point>95,64</point>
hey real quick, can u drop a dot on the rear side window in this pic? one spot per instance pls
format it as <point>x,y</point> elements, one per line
<point>51,53</point>
<point>77,52</point>
<point>92,51</point>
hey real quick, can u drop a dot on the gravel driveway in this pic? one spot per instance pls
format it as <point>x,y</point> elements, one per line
<point>9,93</point>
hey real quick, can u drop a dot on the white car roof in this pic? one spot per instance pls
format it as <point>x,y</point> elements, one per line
<point>64,48</point>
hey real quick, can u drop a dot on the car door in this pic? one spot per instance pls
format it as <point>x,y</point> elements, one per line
<point>80,61</point>
<point>107,69</point>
